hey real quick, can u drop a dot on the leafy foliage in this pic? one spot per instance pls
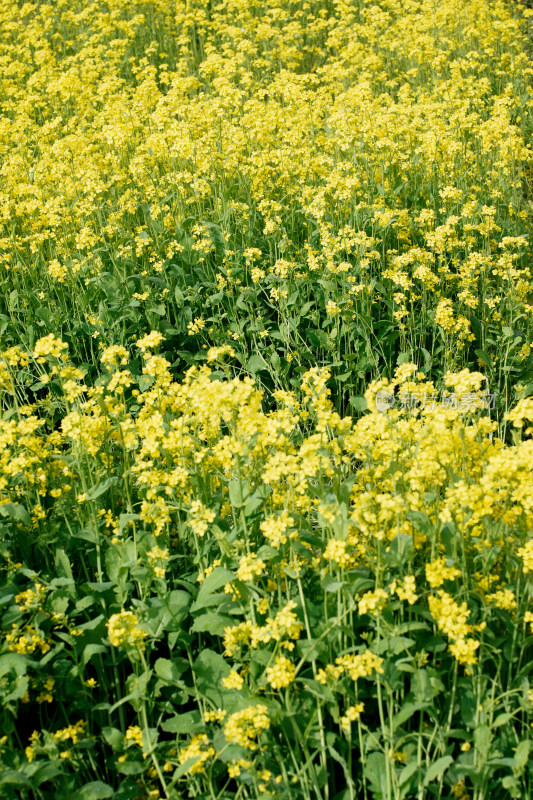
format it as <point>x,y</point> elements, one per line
<point>265,400</point>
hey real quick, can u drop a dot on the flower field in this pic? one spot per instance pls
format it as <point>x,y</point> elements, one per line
<point>266,400</point>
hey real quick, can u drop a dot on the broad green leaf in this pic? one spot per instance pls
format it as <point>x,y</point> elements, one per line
<point>212,623</point>
<point>114,738</point>
<point>166,670</point>
<point>182,723</point>
<point>407,773</point>
<point>91,650</point>
<point>256,363</point>
<point>96,790</point>
<point>15,511</point>
<point>521,756</point>
<point>100,488</point>
<point>218,578</point>
<point>437,769</point>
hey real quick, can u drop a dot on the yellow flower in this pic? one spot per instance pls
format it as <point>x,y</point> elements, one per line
<point>200,517</point>
<point>372,602</point>
<point>526,554</point>
<point>149,342</point>
<point>352,715</point>
<point>233,681</point>
<point>337,551</point>
<point>503,598</point>
<point>361,665</point>
<point>134,734</point>
<point>235,768</point>
<point>243,727</point>
<point>217,715</point>
<point>49,345</point>
<point>281,674</point>
<point>195,326</point>
<point>218,353</point>
<point>250,566</point>
<point>437,572</point>
<point>123,630</point>
<point>198,751</point>
<point>74,732</point>
<point>405,590</point>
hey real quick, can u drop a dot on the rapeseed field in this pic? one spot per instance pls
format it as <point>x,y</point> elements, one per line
<point>266,400</point>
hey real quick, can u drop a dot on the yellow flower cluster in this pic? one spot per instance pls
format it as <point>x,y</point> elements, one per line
<point>337,551</point>
<point>28,641</point>
<point>526,554</point>
<point>405,589</point>
<point>281,674</point>
<point>123,630</point>
<point>281,628</point>
<point>157,559</point>
<point>134,735</point>
<point>49,345</point>
<point>356,666</point>
<point>198,752</point>
<point>249,567</point>
<point>372,602</point>
<point>452,618</point>
<point>244,727</point>
<point>437,572</point>
<point>327,196</point>
<point>352,715</point>
<point>233,681</point>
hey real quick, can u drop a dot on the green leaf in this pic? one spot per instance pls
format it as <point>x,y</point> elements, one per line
<point>407,773</point>
<point>158,309</point>
<point>101,487</point>
<point>13,687</point>
<point>501,719</point>
<point>62,564</point>
<point>256,363</point>
<point>167,671</point>
<point>404,358</point>
<point>406,712</point>
<point>510,783</point>
<point>96,790</point>
<point>218,578</point>
<point>212,623</point>
<point>375,772</point>
<point>317,689</point>
<point>209,669</point>
<point>91,650</point>
<point>14,778</point>
<point>15,662</point>
<point>482,740</point>
<point>484,357</point>
<point>358,403</point>
<point>252,504</point>
<point>15,511</point>
<point>91,624</point>
<point>267,553</point>
<point>182,723</point>
<point>130,767</point>
<point>239,492</point>
<point>521,756</point>
<point>331,585</point>
<point>420,522</point>
<point>437,769</point>
<point>114,738</point>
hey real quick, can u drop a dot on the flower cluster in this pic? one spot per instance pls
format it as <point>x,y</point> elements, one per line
<point>123,630</point>
<point>261,533</point>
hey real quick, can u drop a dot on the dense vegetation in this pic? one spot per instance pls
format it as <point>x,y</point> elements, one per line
<point>266,400</point>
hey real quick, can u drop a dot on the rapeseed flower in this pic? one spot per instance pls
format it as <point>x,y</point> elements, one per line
<point>123,630</point>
